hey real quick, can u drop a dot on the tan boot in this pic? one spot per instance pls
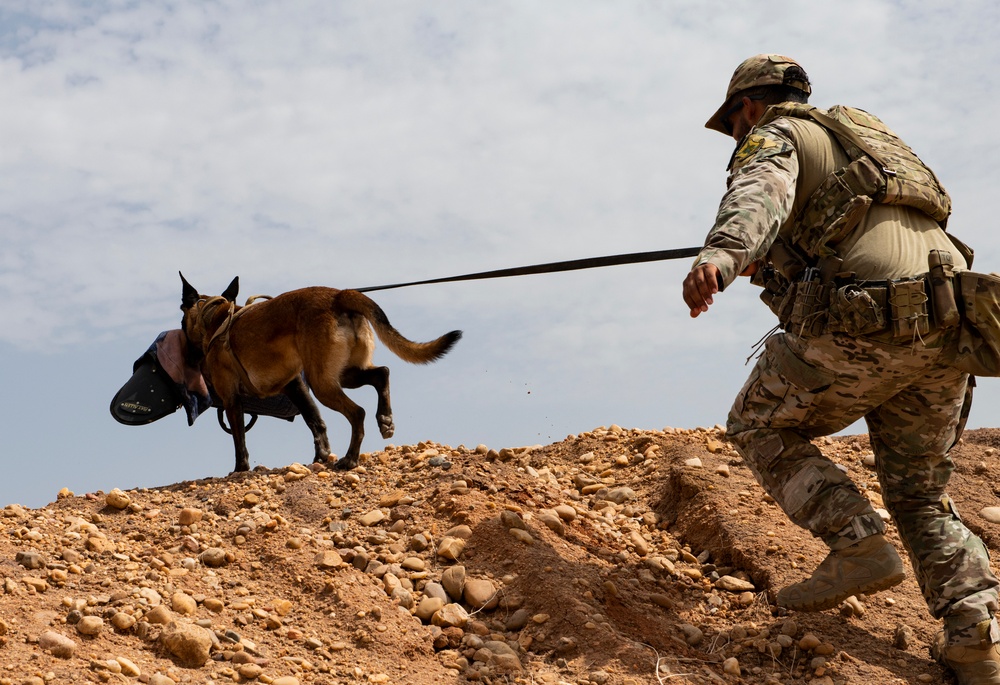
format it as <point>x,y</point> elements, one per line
<point>869,565</point>
<point>970,665</point>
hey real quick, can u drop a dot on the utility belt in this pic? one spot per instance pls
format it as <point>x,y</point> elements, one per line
<point>811,307</point>
<point>907,308</point>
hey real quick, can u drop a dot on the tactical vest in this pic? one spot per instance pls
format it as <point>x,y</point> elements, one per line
<point>883,169</point>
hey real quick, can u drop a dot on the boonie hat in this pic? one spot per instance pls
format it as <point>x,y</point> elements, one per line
<point>760,70</point>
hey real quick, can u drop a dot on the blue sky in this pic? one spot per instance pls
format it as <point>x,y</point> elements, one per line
<point>357,143</point>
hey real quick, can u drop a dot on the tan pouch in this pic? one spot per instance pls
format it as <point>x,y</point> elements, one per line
<point>979,334</point>
<point>836,207</point>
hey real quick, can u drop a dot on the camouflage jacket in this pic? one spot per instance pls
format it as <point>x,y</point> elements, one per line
<point>760,193</point>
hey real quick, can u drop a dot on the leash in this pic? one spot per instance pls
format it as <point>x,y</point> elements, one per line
<point>553,267</point>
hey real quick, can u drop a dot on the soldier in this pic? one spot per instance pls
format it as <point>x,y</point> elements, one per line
<point>840,222</point>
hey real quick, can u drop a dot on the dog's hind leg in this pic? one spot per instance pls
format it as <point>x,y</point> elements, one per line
<point>298,392</point>
<point>378,378</point>
<point>234,413</point>
<point>333,397</point>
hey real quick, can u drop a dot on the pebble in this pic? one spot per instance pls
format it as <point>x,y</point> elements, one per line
<point>116,499</point>
<point>733,584</point>
<point>183,603</point>
<point>903,637</point>
<point>731,666</point>
<point>189,515</point>
<point>450,548</point>
<point>56,644</point>
<point>90,626</point>
<point>188,643</point>
<point>372,518</point>
<point>328,559</point>
<point>991,514</point>
<point>481,593</point>
<point>213,557</point>
<point>522,536</point>
<point>809,642</point>
<point>692,634</point>
<point>128,667</point>
<point>453,580</point>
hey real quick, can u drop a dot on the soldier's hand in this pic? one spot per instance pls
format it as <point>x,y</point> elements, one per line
<point>699,286</point>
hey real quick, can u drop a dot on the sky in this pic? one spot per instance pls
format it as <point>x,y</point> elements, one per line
<point>358,143</point>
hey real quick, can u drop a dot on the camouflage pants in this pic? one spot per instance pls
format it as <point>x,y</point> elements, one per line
<point>806,387</point>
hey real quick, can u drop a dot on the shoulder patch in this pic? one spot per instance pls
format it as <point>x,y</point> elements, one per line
<point>756,146</point>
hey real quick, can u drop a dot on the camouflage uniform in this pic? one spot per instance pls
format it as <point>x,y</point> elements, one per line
<point>806,386</point>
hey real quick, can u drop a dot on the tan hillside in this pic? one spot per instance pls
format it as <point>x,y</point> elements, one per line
<point>615,556</point>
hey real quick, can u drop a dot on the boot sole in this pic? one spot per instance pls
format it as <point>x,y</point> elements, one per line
<point>831,602</point>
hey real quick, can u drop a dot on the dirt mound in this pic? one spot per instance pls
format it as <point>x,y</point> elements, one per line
<point>616,556</point>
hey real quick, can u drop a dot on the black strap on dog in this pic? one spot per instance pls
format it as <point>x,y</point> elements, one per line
<point>554,267</point>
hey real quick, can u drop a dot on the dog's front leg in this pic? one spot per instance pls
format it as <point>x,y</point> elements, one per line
<point>234,413</point>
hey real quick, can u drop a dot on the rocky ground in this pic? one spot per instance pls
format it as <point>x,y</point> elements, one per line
<point>616,556</point>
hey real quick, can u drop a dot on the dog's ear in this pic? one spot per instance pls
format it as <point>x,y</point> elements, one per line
<point>233,290</point>
<point>189,294</point>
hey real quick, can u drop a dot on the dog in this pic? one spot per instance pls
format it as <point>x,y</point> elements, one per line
<point>315,338</point>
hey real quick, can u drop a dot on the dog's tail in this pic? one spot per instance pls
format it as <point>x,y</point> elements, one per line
<point>407,350</point>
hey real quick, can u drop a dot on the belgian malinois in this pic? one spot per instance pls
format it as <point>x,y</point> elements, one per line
<point>314,338</point>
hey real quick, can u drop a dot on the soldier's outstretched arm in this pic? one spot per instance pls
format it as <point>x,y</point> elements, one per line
<point>699,287</point>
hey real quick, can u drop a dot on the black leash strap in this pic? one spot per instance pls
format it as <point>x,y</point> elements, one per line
<point>554,267</point>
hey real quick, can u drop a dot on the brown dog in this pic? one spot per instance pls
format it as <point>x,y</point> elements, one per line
<point>314,338</point>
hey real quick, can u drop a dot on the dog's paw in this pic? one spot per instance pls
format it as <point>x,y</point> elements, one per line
<point>386,426</point>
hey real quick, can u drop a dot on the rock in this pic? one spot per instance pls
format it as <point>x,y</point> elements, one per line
<point>328,559</point>
<point>453,580</point>
<point>991,514</point>
<point>450,615</point>
<point>250,671</point>
<point>715,446</point>
<point>638,543</point>
<point>213,557</point>
<point>521,536</point>
<point>414,564</point>
<point>159,615</point>
<point>620,495</point>
<point>122,621</point>
<point>90,626</point>
<point>903,637</point>
<point>188,643</point>
<point>552,521</point>
<point>732,584</point>
<point>693,462</point>
<point>731,666</point>
<point>481,594</point>
<point>566,512</point>
<point>427,607</point>
<point>434,589</point>
<point>462,531</point>
<point>30,560</point>
<point>692,634</point>
<point>116,499</point>
<point>128,667</point>
<point>450,548</point>
<point>372,518</point>
<point>183,603</point>
<point>517,620</point>
<point>511,519</point>
<point>189,515</point>
<point>285,680</point>
<point>56,644</point>
<point>809,642</point>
